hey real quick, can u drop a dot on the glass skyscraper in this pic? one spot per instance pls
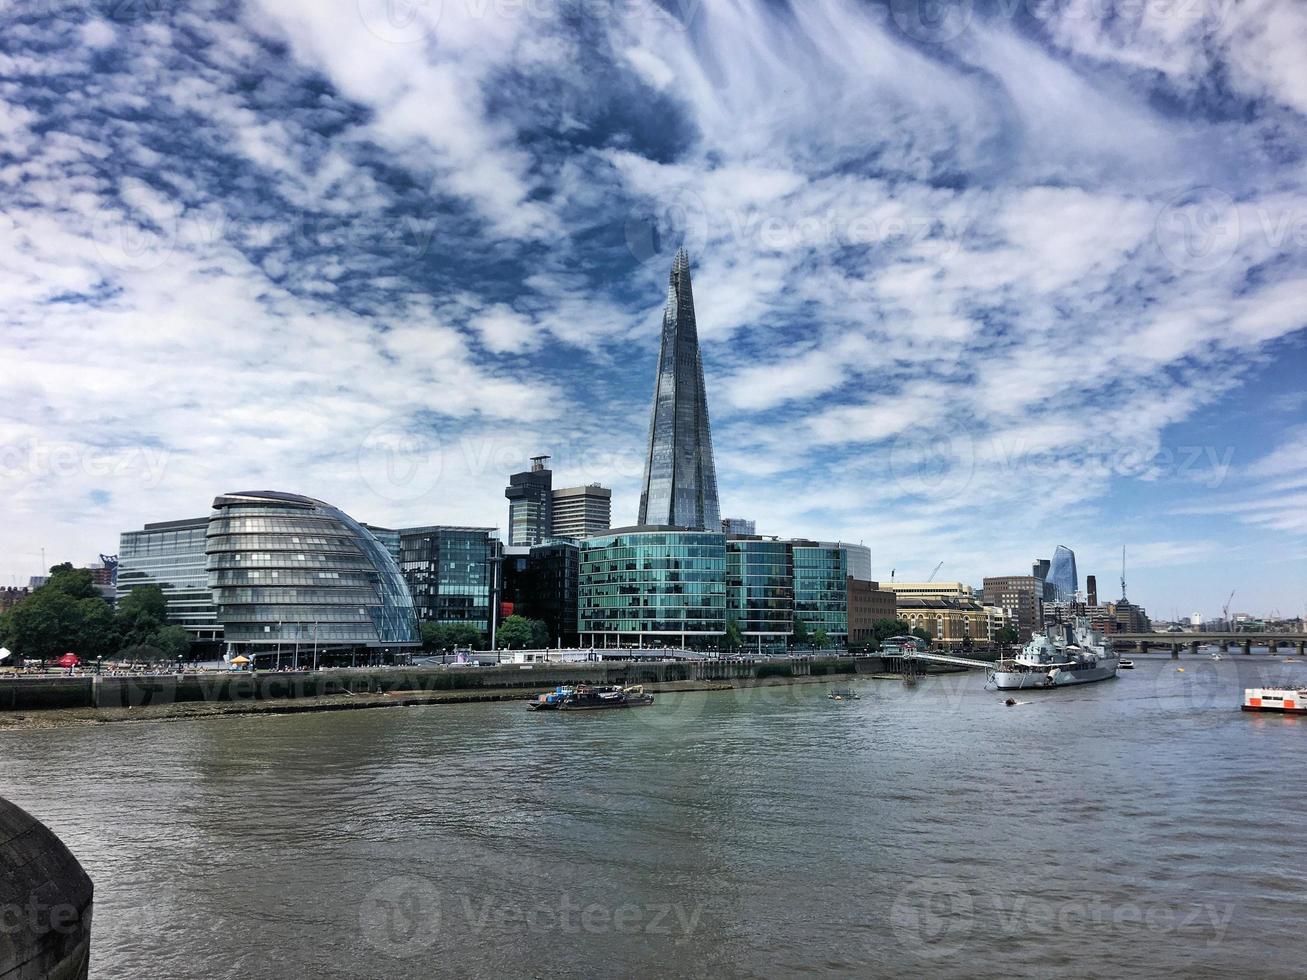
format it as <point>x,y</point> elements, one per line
<point>1062,574</point>
<point>760,587</point>
<point>680,478</point>
<point>170,554</point>
<point>821,596</point>
<point>448,572</point>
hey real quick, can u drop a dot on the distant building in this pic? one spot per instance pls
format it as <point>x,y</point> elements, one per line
<point>868,602</point>
<point>11,596</point>
<point>388,537</point>
<point>951,621</point>
<point>541,583</point>
<point>171,555</point>
<point>1091,589</point>
<point>760,588</point>
<point>859,558</point>
<point>289,572</point>
<point>530,504</point>
<point>1022,596</point>
<point>580,512</point>
<point>821,599</point>
<point>448,571</point>
<point>931,590</point>
<point>738,525</point>
<point>1062,574</point>
<point>37,581</point>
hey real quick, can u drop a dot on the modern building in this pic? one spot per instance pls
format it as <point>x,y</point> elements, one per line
<point>389,538</point>
<point>1062,574</point>
<point>1091,589</point>
<point>290,574</point>
<point>739,525</point>
<point>653,586</point>
<point>530,504</point>
<point>680,476</point>
<point>449,572</point>
<point>821,598</point>
<point>859,558</point>
<point>542,583</point>
<point>1022,596</point>
<point>868,602</point>
<point>581,512</point>
<point>171,555</point>
<point>760,589</point>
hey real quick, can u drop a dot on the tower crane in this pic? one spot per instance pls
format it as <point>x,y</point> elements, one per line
<point>935,572</point>
<point>1225,613</point>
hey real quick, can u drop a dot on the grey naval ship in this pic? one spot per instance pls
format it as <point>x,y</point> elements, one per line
<point>1063,654</point>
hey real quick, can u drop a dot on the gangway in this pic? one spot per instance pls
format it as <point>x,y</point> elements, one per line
<point>943,658</point>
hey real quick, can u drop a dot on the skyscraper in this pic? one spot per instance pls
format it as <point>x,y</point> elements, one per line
<point>1062,573</point>
<point>581,512</point>
<point>530,503</point>
<point>680,478</point>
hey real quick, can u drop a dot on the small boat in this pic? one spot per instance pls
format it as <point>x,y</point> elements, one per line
<point>552,700</point>
<point>843,694</point>
<point>587,698</point>
<point>1216,657</point>
<point>1126,665</point>
<point>1281,700</point>
<point>1011,702</point>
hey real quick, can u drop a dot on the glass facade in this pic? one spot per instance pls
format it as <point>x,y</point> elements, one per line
<point>680,477</point>
<point>289,569</point>
<point>530,504</point>
<point>448,573</point>
<point>1062,574</point>
<point>760,586</point>
<point>652,585</point>
<point>821,598</point>
<point>171,555</point>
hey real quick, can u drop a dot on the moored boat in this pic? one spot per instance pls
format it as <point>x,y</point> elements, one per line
<point>587,698</point>
<point>1063,654</point>
<point>1125,665</point>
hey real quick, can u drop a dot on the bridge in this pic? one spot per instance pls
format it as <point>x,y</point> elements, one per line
<point>1175,642</point>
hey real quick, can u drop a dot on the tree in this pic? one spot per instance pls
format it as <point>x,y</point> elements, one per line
<point>820,638</point>
<point>515,631</point>
<point>465,635</point>
<point>54,620</point>
<point>539,634</point>
<point>76,583</point>
<point>921,634</point>
<point>172,641</point>
<point>144,602</point>
<point>1007,635</point>
<point>883,629</point>
<point>800,632</point>
<point>733,639</point>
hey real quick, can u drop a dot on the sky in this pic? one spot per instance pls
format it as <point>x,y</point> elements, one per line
<point>972,279</point>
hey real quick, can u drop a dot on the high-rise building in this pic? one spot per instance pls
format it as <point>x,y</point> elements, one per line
<point>581,512</point>
<point>530,504</point>
<point>1023,598</point>
<point>859,556</point>
<point>1091,589</point>
<point>1062,573</point>
<point>171,555</point>
<point>760,588</point>
<point>448,571</point>
<point>680,477</point>
<point>738,525</point>
<point>821,597</point>
<point>287,571</point>
<point>542,584</point>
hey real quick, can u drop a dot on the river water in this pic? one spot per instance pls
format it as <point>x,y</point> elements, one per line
<point>1135,827</point>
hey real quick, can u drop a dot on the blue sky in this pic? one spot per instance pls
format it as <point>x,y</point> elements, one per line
<point>973,280</point>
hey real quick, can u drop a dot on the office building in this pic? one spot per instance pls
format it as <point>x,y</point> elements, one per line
<point>868,602</point>
<point>821,596</point>
<point>1022,596</point>
<point>653,586</point>
<point>1091,589</point>
<point>680,477</point>
<point>289,572</point>
<point>1062,574</point>
<point>581,512</point>
<point>449,571</point>
<point>859,558</point>
<point>760,589</point>
<point>739,525</point>
<point>931,590</point>
<point>542,583</point>
<point>171,555</point>
<point>530,504</point>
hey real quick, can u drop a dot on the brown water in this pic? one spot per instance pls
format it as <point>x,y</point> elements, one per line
<point>1137,827</point>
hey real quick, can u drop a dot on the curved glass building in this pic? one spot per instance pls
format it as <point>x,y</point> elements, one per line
<point>652,585</point>
<point>1062,574</point>
<point>286,569</point>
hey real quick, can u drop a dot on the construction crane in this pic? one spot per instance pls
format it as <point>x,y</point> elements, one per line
<point>1225,613</point>
<point>1123,573</point>
<point>935,572</point>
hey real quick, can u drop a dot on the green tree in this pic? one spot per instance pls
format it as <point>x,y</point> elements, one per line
<point>76,583</point>
<point>173,642</point>
<point>801,634</point>
<point>433,637</point>
<point>539,634</point>
<point>883,629</point>
<point>1007,636</point>
<point>144,603</point>
<point>921,634</point>
<point>733,639</point>
<point>55,620</point>
<point>465,635</point>
<point>515,631</point>
<point>820,638</point>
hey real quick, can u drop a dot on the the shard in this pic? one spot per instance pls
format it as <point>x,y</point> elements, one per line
<point>680,479</point>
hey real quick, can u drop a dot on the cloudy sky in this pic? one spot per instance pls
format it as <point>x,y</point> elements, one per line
<point>973,279</point>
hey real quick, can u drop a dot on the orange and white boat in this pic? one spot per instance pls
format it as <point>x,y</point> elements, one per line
<point>1285,700</point>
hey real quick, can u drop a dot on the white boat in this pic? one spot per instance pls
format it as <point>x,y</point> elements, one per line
<point>1063,654</point>
<point>1126,664</point>
<point>1282,700</point>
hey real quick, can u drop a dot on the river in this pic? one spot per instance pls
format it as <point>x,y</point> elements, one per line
<point>1137,827</point>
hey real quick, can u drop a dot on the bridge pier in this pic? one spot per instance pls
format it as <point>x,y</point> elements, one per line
<point>1273,646</point>
<point>1301,647</point>
<point>1193,646</point>
<point>1225,646</point>
<point>1247,647</point>
<point>1141,646</point>
<point>1175,651</point>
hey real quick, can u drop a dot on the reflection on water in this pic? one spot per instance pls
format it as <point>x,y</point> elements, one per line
<point>1133,827</point>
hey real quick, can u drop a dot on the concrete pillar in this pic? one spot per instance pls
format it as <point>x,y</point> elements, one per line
<point>1274,646</point>
<point>1299,646</point>
<point>1225,646</point>
<point>1247,647</point>
<point>1193,646</point>
<point>1175,651</point>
